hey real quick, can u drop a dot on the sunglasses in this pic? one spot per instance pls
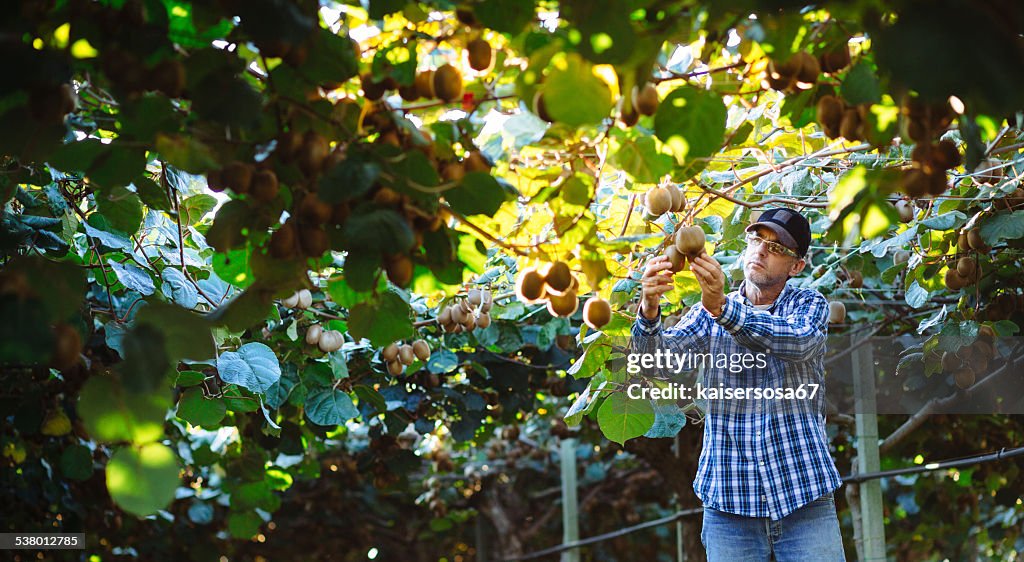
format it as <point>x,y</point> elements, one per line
<point>774,248</point>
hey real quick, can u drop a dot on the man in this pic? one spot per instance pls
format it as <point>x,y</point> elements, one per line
<point>765,474</point>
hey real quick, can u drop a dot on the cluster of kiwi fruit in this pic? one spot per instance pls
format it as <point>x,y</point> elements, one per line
<point>840,119</point>
<point>260,183</point>
<point>643,101</point>
<point>990,171</point>
<point>49,103</point>
<point>969,360</point>
<point>399,356</point>
<point>554,283</point>
<point>301,299</point>
<point>930,163</point>
<point>469,313</point>
<point>799,72</point>
<point>963,274</point>
<point>1002,307</point>
<point>662,199</point>
<point>326,340</point>
<point>686,244</point>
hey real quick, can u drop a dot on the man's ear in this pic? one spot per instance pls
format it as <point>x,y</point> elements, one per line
<point>797,267</point>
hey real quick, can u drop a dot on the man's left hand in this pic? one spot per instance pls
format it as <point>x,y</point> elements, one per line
<point>712,283</point>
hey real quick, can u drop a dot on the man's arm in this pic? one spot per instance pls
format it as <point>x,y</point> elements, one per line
<point>794,337</point>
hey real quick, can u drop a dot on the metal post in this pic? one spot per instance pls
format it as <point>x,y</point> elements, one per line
<point>482,547</point>
<point>570,521</point>
<point>872,516</point>
<point>680,555</point>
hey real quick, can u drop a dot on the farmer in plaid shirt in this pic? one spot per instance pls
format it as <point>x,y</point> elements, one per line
<point>765,474</point>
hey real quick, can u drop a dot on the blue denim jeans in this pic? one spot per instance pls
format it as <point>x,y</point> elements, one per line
<point>809,533</point>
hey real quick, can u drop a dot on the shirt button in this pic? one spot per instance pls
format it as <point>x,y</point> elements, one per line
<point>764,498</point>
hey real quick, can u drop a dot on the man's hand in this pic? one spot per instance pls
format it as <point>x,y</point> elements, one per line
<point>712,283</point>
<point>655,281</point>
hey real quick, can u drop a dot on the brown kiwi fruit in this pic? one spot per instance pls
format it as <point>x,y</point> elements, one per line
<point>945,155</point>
<point>976,242</point>
<point>964,377</point>
<point>372,90</point>
<point>836,312</point>
<point>288,145</point>
<point>215,181</point>
<point>453,171</point>
<point>390,352</point>
<point>399,270</point>
<point>558,277</point>
<point>678,199</point>
<point>808,68</point>
<point>954,281</point>
<point>645,99</point>
<point>989,171</point>
<point>476,162</point>
<point>484,320</point>
<point>448,83</point>
<point>67,346</point>
<point>915,183</point>
<point>629,118</point>
<point>676,258</point>
<point>967,267</point>
<point>409,92</point>
<point>395,368</point>
<point>237,176</point>
<point>421,350</point>
<point>855,279</point>
<point>313,210</point>
<point>690,240</point>
<point>836,59</point>
<point>283,242</point>
<point>906,210</point>
<point>830,114</point>
<point>406,354</point>
<point>480,54</point>
<point>424,84</point>
<point>596,312</point>
<point>950,361</point>
<point>658,201</point>
<point>530,285</point>
<point>313,152</point>
<point>264,186</point>
<point>851,127</point>
<point>314,241</point>
<point>563,305</point>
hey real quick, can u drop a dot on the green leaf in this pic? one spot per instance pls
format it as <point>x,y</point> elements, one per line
<point>506,16</point>
<point>861,85</point>
<point>917,296</point>
<point>330,406</point>
<point>186,334</point>
<point>378,230</point>
<point>622,418</point>
<point>135,278</point>
<point>244,525</point>
<point>592,360</point>
<point>189,378</point>
<point>691,122</point>
<point>227,231</point>
<point>945,221</point>
<point>343,294</point>
<point>478,194</point>
<point>76,463</point>
<point>121,207</point>
<point>348,180</point>
<point>179,289</point>
<point>197,409</point>
<point>142,481</point>
<point>382,321</point>
<point>998,227</point>
<point>186,153</point>
<point>574,95</point>
<point>669,419</point>
<point>584,403</point>
<point>151,194</point>
<point>111,414</point>
<point>253,367</point>
<point>195,208</point>
<point>640,159</point>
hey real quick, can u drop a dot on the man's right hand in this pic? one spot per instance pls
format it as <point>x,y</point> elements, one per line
<point>655,281</point>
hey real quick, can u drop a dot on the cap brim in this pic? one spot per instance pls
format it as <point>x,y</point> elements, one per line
<point>785,238</point>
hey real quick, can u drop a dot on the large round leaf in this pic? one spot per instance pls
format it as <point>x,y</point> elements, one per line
<point>621,417</point>
<point>113,414</point>
<point>142,481</point>
<point>329,406</point>
<point>254,367</point>
<point>574,95</point>
<point>197,409</point>
<point>691,122</point>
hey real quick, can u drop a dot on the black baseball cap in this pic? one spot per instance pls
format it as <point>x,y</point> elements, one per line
<point>790,226</point>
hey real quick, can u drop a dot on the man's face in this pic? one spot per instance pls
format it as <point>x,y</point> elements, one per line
<point>765,269</point>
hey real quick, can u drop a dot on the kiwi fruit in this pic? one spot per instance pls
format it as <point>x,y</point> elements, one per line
<point>215,181</point>
<point>406,354</point>
<point>288,145</point>
<point>690,241</point>
<point>480,54</point>
<point>854,279</point>
<point>975,241</point>
<point>421,350</point>
<point>629,118</point>
<point>409,92</point>
<point>264,186</point>
<point>474,297</point>
<point>424,83</point>
<point>395,368</point>
<point>314,241</point>
<point>989,171</point>
<point>836,59</point>
<point>807,66</point>
<point>296,56</point>
<point>658,201</point>
<point>950,361</point>
<point>390,352</point>
<point>916,183</point>
<point>676,258</point>
<point>530,285</point>
<point>399,270</point>
<point>967,267</point>
<point>905,209</point>
<point>836,312</point>
<point>305,299</point>
<point>830,115</point>
<point>448,83</point>
<point>780,76</point>
<point>645,99</point>
<point>851,127</point>
<point>945,155</point>
<point>313,152</point>
<point>954,281</point>
<point>476,162</point>
<point>558,277</point>
<point>678,199</point>
<point>453,171</point>
<point>596,312</point>
<point>313,210</point>
<point>902,256</point>
<point>237,176</point>
<point>372,90</point>
<point>564,304</point>
<point>484,320</point>
<point>313,334</point>
<point>283,242</point>
<point>964,377</point>
<point>540,109</point>
<point>961,241</point>
<point>445,316</point>
<point>331,340</point>
<point>67,346</point>
<point>986,333</point>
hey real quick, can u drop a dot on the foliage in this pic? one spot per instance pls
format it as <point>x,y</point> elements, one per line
<point>173,171</point>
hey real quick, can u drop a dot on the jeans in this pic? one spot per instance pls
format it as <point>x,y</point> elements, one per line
<point>809,533</point>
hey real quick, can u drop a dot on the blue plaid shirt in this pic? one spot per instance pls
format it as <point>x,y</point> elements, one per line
<point>763,457</point>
